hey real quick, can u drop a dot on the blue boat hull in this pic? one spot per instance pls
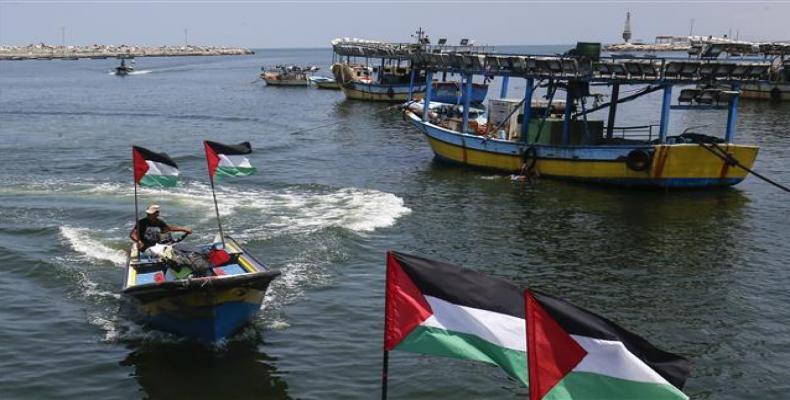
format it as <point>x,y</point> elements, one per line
<point>221,321</point>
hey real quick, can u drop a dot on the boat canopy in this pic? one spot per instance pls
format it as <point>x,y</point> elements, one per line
<point>596,69</point>
<point>353,47</point>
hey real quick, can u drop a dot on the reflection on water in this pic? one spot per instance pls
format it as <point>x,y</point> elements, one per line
<point>192,371</point>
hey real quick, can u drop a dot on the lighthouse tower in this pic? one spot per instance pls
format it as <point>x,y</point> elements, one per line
<point>627,28</point>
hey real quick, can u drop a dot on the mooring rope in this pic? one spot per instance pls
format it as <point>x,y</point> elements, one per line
<point>404,105</point>
<point>727,157</point>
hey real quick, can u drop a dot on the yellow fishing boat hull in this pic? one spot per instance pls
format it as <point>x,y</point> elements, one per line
<point>669,165</point>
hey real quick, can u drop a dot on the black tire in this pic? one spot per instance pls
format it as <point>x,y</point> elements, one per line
<point>638,160</point>
<point>776,94</point>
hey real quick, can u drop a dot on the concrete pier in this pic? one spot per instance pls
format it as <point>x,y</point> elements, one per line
<point>44,51</point>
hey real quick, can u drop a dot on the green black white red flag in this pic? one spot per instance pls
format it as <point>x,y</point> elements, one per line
<point>153,169</point>
<point>442,309</point>
<point>228,160</point>
<point>577,355</point>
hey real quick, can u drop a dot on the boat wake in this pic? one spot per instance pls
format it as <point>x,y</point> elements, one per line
<point>91,249</point>
<point>277,212</point>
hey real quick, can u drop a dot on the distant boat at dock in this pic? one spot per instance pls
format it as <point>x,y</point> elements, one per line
<point>387,73</point>
<point>288,75</point>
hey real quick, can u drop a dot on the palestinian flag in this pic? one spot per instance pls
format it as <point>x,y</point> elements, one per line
<point>575,354</point>
<point>228,160</point>
<point>153,169</point>
<point>444,310</point>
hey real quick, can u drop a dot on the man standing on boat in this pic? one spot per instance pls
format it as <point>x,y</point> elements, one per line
<point>148,231</point>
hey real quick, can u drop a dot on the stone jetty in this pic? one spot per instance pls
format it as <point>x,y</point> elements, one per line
<point>45,51</point>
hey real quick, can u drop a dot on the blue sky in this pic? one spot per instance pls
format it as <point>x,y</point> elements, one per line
<point>262,24</point>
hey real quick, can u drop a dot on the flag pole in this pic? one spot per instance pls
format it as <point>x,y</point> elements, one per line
<point>384,372</point>
<point>385,362</point>
<point>136,210</point>
<point>216,209</point>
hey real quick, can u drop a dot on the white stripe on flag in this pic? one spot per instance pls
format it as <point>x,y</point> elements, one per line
<point>155,168</point>
<point>234,161</point>
<point>500,329</point>
<point>612,358</point>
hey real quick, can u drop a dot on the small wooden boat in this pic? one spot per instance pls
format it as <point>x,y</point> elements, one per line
<point>323,82</point>
<point>123,69</point>
<point>205,308</point>
<point>287,75</point>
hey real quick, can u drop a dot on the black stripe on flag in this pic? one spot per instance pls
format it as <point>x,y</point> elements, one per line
<point>155,157</point>
<point>462,286</point>
<point>230,149</point>
<point>577,321</point>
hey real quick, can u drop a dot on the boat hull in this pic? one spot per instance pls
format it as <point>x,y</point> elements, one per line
<point>327,85</point>
<point>204,309</point>
<point>206,316</point>
<point>766,91</point>
<point>671,165</point>
<point>283,82</point>
<point>379,92</point>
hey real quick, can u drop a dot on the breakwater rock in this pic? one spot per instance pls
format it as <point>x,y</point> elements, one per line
<point>45,51</point>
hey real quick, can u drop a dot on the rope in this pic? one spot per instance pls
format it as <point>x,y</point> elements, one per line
<point>727,157</point>
<point>404,105</point>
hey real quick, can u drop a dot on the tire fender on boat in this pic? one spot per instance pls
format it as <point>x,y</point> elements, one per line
<point>638,160</point>
<point>776,94</point>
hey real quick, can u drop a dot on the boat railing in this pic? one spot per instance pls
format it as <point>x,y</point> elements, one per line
<point>636,132</point>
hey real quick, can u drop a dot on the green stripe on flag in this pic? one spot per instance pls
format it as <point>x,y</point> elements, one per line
<point>158,180</point>
<point>441,342</point>
<point>234,171</point>
<point>588,385</point>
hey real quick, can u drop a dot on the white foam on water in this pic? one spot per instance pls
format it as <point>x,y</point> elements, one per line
<point>359,210</point>
<point>91,288</point>
<point>89,248</point>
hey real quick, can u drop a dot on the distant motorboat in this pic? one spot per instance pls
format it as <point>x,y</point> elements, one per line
<point>323,82</point>
<point>123,69</point>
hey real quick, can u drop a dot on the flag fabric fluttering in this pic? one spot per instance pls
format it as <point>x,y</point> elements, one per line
<point>577,355</point>
<point>153,169</point>
<point>442,309</point>
<point>228,160</point>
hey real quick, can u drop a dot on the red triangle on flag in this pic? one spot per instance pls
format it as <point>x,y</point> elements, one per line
<point>551,352</point>
<point>139,165</point>
<point>405,306</point>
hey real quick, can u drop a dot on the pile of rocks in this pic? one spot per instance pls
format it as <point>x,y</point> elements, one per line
<point>45,51</point>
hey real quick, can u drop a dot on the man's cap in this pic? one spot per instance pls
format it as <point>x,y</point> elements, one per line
<point>152,209</point>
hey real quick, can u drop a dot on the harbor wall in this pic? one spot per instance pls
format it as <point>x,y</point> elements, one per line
<point>44,51</point>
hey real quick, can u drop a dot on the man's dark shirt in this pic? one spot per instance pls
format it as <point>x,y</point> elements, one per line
<point>149,232</point>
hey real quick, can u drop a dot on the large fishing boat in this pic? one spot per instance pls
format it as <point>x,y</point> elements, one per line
<point>287,75</point>
<point>201,292</point>
<point>518,137</point>
<point>383,71</point>
<point>777,86</point>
